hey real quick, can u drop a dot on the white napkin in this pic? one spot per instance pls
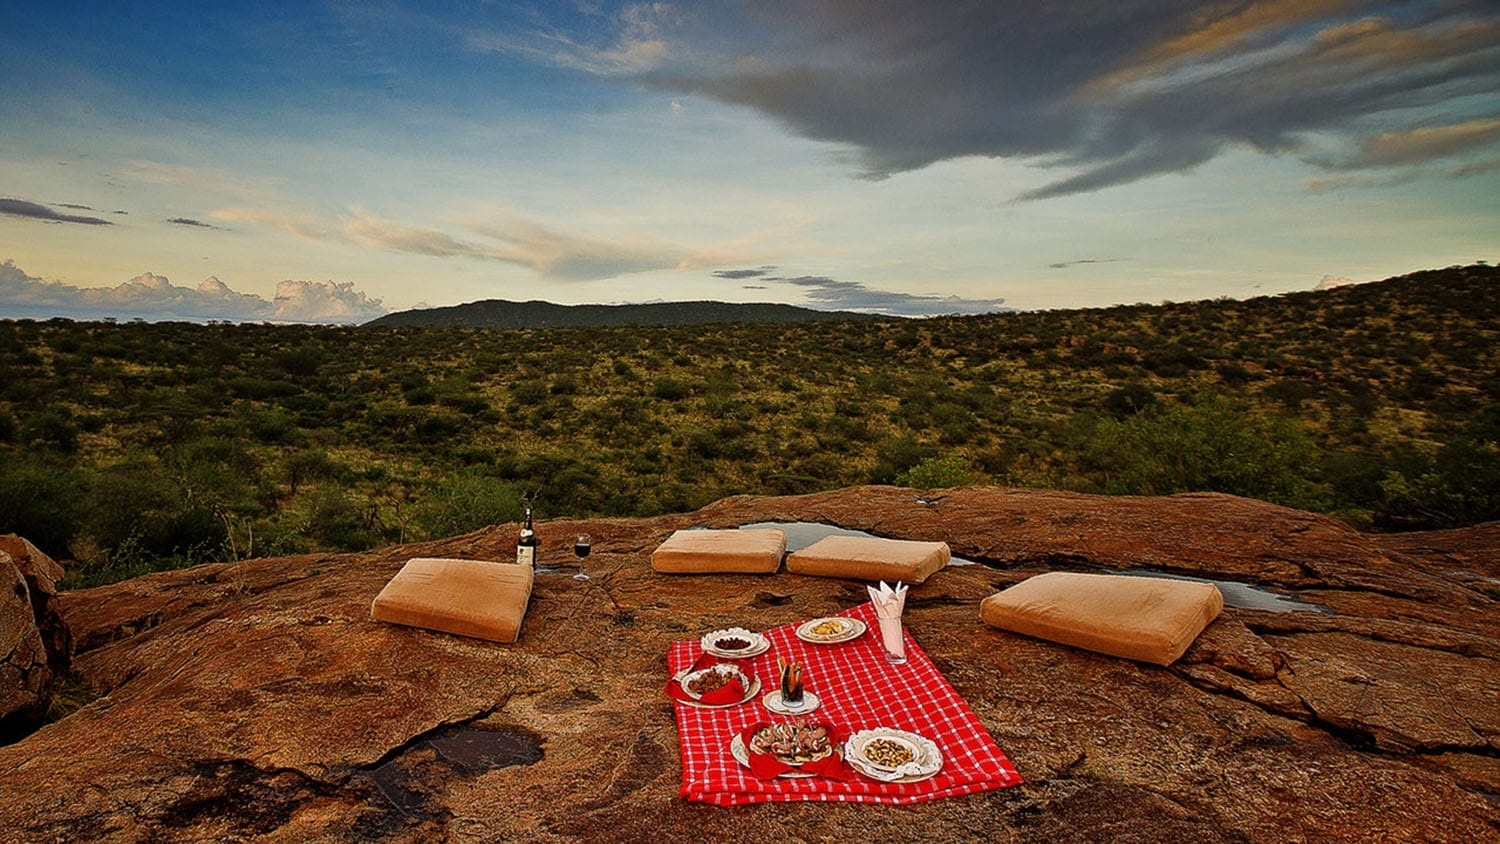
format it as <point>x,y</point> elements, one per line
<point>888,602</point>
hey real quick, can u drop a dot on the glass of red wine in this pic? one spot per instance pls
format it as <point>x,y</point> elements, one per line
<point>581,548</point>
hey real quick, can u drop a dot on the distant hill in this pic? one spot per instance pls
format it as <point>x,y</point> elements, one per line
<point>499,313</point>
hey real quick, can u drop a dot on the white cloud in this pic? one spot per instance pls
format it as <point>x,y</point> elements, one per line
<point>325,301</point>
<point>1331,281</point>
<point>639,46</point>
<point>553,254</point>
<point>291,222</point>
<point>154,297</point>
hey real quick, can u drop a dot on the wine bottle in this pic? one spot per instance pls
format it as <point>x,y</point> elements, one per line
<point>526,545</point>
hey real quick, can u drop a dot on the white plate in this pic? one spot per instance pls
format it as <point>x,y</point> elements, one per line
<point>741,754</point>
<point>750,692</point>
<point>927,761</point>
<point>758,644</point>
<point>848,628</point>
<point>773,702</point>
<point>722,668</point>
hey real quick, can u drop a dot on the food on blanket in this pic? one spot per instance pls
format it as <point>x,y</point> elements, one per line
<point>887,753</point>
<point>793,742</point>
<point>707,681</point>
<point>831,627</point>
<point>732,643</point>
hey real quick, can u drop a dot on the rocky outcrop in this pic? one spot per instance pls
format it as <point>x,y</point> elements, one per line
<point>257,700</point>
<point>33,640</point>
<point>24,675</point>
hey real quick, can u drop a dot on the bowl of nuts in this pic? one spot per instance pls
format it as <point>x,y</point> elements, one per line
<point>893,755</point>
<point>735,643</point>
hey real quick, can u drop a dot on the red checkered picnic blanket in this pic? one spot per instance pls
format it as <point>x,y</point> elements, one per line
<point>857,690</point>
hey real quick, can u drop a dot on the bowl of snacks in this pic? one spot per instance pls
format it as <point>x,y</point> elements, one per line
<point>893,755</point>
<point>707,680</point>
<point>734,643</point>
<point>794,742</point>
<point>830,630</point>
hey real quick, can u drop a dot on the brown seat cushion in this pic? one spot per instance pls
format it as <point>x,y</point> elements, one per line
<point>476,598</point>
<point>750,551</point>
<point>1143,618</point>
<point>869,558</point>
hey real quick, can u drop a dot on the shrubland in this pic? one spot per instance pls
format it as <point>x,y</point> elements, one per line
<point>133,446</point>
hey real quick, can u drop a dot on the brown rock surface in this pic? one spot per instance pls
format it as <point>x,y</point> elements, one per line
<point>258,701</point>
<point>24,675</point>
<point>42,575</point>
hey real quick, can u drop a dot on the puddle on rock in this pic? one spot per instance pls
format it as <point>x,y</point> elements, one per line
<point>1240,595</point>
<point>799,535</point>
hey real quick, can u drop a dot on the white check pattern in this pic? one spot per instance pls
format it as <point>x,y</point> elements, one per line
<point>859,690</point>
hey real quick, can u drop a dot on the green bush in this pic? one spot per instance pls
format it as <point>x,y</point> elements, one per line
<point>1209,445</point>
<point>946,471</point>
<point>667,388</point>
<point>41,501</point>
<point>467,500</point>
<point>1129,399</point>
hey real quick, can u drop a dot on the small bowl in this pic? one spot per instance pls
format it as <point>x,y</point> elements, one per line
<point>754,643</point>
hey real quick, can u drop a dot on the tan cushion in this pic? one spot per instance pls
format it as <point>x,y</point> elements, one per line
<point>751,551</point>
<point>1143,618</point>
<point>476,598</point>
<point>869,558</point>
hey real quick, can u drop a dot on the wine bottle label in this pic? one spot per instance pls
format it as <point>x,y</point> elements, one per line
<point>526,555</point>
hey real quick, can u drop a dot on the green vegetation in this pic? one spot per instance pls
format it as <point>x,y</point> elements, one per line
<point>135,446</point>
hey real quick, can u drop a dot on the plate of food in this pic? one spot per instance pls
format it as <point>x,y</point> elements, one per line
<point>707,680</point>
<point>892,755</point>
<point>735,643</point>
<point>793,743</point>
<point>830,630</point>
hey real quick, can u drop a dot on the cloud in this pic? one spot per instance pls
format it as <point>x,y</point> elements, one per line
<point>510,238</point>
<point>153,297</point>
<point>853,296</point>
<point>610,45</point>
<point>206,180</point>
<point>1115,92</point>
<point>188,221</point>
<point>1329,282</point>
<point>379,233</point>
<point>739,274</point>
<point>495,235</point>
<point>1416,146</point>
<point>326,301</point>
<point>1062,265</point>
<point>74,206</point>
<point>1388,178</point>
<point>34,211</point>
<point>291,222</point>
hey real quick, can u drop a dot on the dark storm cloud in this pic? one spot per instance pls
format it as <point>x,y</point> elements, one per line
<point>1115,91</point>
<point>34,211</point>
<point>853,296</point>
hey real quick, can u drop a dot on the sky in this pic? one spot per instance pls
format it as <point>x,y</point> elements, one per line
<point>333,161</point>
